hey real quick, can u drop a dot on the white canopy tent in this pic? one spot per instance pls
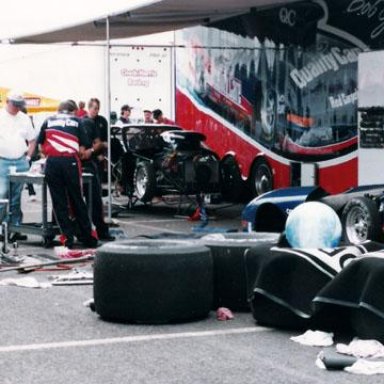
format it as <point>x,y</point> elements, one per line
<point>24,17</point>
<point>147,18</point>
<point>141,17</point>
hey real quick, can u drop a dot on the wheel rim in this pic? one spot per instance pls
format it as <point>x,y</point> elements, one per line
<point>263,179</point>
<point>141,182</point>
<point>356,225</point>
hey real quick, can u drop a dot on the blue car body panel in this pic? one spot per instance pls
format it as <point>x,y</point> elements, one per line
<point>284,199</point>
<point>280,202</point>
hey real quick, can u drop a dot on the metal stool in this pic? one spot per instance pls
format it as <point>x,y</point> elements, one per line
<point>4,230</point>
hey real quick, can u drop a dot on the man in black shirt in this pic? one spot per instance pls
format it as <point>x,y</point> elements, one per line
<point>94,126</point>
<point>102,128</point>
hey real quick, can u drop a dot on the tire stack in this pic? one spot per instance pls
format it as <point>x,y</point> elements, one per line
<point>153,281</point>
<point>231,285</point>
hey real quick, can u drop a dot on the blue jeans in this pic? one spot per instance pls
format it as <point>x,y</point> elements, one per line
<point>21,165</point>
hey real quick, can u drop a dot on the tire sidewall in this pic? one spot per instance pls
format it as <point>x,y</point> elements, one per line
<point>370,210</point>
<point>153,281</point>
<point>260,164</point>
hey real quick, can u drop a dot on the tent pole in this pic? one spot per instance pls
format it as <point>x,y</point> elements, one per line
<point>108,107</point>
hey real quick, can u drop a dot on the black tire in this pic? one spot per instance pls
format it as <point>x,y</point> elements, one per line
<point>144,181</point>
<point>153,281</point>
<point>261,178</point>
<point>360,220</point>
<point>232,184</point>
<point>230,286</point>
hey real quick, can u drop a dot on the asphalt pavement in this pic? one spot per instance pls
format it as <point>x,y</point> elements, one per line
<point>49,335</point>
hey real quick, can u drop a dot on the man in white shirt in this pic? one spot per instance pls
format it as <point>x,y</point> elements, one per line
<point>17,144</point>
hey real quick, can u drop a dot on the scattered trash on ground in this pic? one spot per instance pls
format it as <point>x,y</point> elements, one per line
<point>359,357</point>
<point>224,314</point>
<point>41,265</point>
<point>25,282</point>
<point>332,360</point>
<point>366,367</point>
<point>66,253</point>
<point>314,338</point>
<point>75,277</point>
<point>362,348</point>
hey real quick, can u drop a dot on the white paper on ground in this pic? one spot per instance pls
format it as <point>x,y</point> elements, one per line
<point>25,282</point>
<point>314,338</point>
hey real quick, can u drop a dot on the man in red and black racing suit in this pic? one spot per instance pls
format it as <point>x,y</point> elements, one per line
<point>63,141</point>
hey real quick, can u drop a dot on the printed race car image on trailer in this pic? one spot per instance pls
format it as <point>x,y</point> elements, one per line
<point>275,91</point>
<point>360,210</point>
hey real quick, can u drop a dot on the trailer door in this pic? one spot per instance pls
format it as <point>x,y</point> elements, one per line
<point>371,118</point>
<point>143,78</point>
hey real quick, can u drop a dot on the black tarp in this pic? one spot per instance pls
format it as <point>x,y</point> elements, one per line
<point>292,287</point>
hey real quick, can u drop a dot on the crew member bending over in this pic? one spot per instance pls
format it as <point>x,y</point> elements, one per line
<point>159,118</point>
<point>63,141</point>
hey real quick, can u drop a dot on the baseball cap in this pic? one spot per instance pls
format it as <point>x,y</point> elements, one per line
<point>126,107</point>
<point>16,98</point>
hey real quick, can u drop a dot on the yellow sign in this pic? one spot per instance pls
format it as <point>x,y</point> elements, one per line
<point>34,103</point>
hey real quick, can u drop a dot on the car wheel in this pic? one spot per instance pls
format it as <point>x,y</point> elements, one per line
<point>361,221</point>
<point>261,179</point>
<point>232,184</point>
<point>153,281</point>
<point>145,181</point>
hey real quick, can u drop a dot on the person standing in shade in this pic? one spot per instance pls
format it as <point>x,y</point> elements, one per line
<point>17,144</point>
<point>89,164</point>
<point>101,124</point>
<point>63,141</point>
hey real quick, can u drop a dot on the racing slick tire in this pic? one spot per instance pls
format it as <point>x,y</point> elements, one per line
<point>153,281</point>
<point>360,220</point>
<point>231,284</point>
<point>261,179</point>
<point>144,180</point>
<point>232,184</point>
